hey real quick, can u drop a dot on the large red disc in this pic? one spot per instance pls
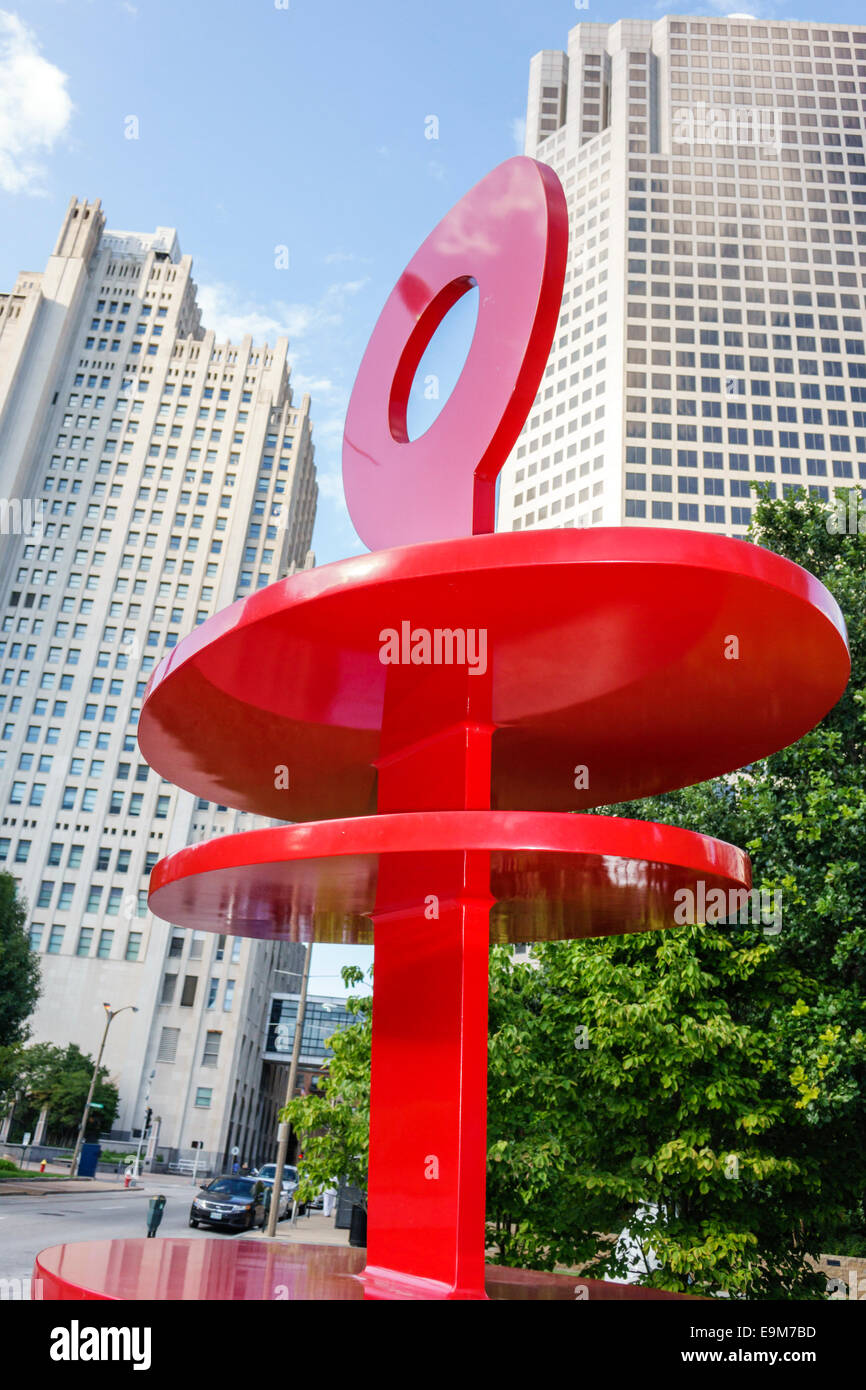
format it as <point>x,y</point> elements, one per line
<point>204,1271</point>
<point>553,876</point>
<point>653,659</point>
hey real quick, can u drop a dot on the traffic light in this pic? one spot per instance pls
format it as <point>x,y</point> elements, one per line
<point>147,1118</point>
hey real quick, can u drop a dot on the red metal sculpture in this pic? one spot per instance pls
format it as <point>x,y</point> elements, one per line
<point>508,236</point>
<point>431,713</point>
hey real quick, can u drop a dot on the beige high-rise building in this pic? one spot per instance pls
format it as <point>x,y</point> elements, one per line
<point>149,475</point>
<point>712,324</point>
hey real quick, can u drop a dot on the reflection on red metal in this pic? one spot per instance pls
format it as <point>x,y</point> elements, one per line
<point>549,877</point>
<point>508,236</point>
<point>431,711</point>
<point>231,1270</point>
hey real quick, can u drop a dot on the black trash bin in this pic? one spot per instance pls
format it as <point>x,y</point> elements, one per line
<point>358,1227</point>
<point>347,1198</point>
<point>88,1159</point>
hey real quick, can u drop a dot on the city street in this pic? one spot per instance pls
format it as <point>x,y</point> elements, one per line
<point>29,1224</point>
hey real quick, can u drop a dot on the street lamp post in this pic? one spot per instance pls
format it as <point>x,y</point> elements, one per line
<point>110,1014</point>
<point>283,1146</point>
<point>137,1167</point>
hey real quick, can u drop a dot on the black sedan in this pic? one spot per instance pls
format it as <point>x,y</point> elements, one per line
<point>230,1201</point>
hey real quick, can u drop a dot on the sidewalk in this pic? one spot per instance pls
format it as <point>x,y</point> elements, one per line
<point>35,1186</point>
<point>314,1229</point>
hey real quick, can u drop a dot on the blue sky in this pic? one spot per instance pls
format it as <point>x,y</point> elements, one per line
<point>261,126</point>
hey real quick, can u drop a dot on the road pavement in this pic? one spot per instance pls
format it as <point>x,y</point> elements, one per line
<point>30,1223</point>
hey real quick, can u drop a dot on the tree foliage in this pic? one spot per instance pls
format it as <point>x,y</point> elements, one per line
<point>716,1051</point>
<point>334,1123</point>
<point>632,1089</point>
<point>59,1078</point>
<point>19,967</point>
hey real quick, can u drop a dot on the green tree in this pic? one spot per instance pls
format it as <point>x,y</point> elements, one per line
<point>59,1078</point>
<point>632,1090</point>
<point>334,1123</point>
<point>716,1112</point>
<point>801,814</point>
<point>19,967</point>
<point>19,985</point>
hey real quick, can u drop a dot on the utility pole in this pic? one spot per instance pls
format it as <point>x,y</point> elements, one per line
<point>283,1131</point>
<point>110,1014</point>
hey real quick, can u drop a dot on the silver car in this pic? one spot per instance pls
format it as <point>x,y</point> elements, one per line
<point>268,1173</point>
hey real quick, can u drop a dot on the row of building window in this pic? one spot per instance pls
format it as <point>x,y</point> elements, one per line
<point>19,795</point>
<point>812,34</point>
<point>764,439</point>
<point>75,856</point>
<point>713,487</point>
<point>189,989</point>
<point>687,511</point>
<point>134,904</point>
<point>84,945</point>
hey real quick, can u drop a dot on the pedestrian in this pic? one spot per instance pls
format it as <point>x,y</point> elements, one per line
<point>236,1167</point>
<point>329,1201</point>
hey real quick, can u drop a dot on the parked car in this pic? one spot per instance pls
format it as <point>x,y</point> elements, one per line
<point>267,1173</point>
<point>285,1198</point>
<point>230,1201</point>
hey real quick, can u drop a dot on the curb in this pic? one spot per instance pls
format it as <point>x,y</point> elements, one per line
<point>35,1188</point>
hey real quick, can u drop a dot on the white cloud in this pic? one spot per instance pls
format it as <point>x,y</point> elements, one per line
<point>340,257</point>
<point>231,314</point>
<point>518,133</point>
<point>752,9</point>
<point>732,7</point>
<point>35,107</point>
<point>330,484</point>
<point>330,426</point>
<point>316,386</point>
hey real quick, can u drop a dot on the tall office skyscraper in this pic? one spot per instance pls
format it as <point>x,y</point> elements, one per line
<point>148,477</point>
<point>712,322</point>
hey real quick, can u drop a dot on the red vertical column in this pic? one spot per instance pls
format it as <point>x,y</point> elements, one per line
<point>429,1064</point>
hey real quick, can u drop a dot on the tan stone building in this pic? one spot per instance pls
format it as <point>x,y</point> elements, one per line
<point>149,476</point>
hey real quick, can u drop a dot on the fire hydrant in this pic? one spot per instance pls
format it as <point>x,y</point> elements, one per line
<point>42,1166</point>
<point>127,1180</point>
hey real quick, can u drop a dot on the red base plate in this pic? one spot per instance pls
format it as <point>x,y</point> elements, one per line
<point>176,1268</point>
